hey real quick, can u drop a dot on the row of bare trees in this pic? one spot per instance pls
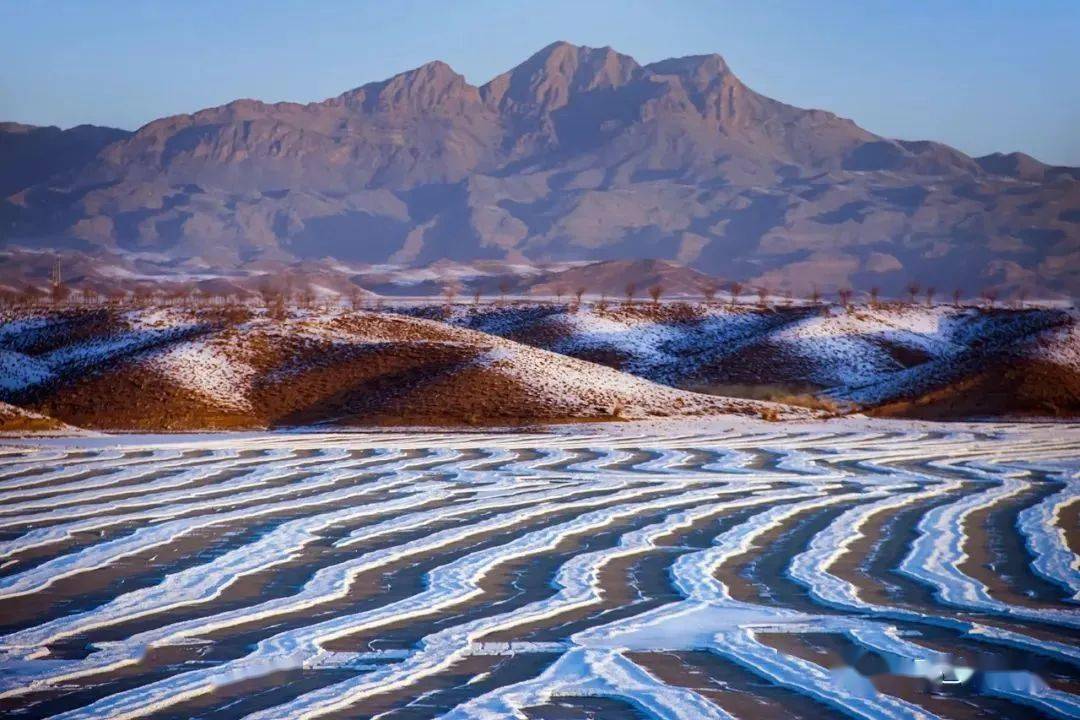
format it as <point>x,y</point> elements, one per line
<point>278,294</point>
<point>845,295</point>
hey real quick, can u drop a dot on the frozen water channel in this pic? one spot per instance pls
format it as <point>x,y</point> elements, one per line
<point>872,570</point>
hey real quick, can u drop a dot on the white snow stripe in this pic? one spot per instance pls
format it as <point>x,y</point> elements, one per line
<point>1046,539</point>
<point>854,696</point>
<point>582,672</point>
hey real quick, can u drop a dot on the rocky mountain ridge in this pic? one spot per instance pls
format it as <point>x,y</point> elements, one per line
<point>577,154</point>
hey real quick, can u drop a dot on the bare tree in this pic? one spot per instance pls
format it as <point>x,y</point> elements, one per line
<point>956,296</point>
<point>655,292</point>
<point>267,294</point>
<point>762,296</point>
<point>476,296</point>
<point>815,295</point>
<point>579,292</point>
<point>287,290</point>
<point>266,286</point>
<point>59,293</point>
<point>142,294</point>
<point>559,292</point>
<point>631,289</point>
<point>735,288</point>
<point>275,306</point>
<point>602,303</point>
<point>306,297</point>
<point>504,287</point>
<point>450,291</point>
<point>29,294</point>
<point>356,298</point>
<point>990,296</point>
<point>875,295</point>
<point>844,294</point>
<point>913,289</point>
<point>930,292</point>
<point>709,290</point>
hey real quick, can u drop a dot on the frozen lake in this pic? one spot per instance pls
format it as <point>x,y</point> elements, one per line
<point>758,571</point>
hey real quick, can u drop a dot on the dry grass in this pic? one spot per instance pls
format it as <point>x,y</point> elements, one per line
<point>811,402</point>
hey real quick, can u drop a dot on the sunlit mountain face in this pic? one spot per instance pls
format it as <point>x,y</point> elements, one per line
<point>576,155</point>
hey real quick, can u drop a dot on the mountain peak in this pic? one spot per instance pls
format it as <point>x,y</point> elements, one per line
<point>429,70</point>
<point>547,80</point>
<point>563,49</point>
<point>431,87</point>
<point>710,85</point>
<point>1014,164</point>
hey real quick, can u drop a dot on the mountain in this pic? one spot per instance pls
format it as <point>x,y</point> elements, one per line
<point>31,154</point>
<point>576,155</point>
<point>615,278</point>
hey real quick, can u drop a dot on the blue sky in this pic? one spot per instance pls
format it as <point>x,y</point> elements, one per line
<point>979,75</point>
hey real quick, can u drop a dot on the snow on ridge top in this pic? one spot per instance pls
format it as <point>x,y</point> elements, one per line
<point>857,348</point>
<point>574,385</point>
<point>655,348</point>
<point>1060,346</point>
<point>204,369</point>
<point>920,326</point>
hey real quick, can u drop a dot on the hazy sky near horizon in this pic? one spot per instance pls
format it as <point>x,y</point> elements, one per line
<point>983,76</point>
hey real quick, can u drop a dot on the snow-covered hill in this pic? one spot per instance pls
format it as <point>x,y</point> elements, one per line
<point>860,356</point>
<point>236,367</point>
<point>179,368</point>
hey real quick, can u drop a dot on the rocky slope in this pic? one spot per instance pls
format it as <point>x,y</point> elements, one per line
<point>30,155</point>
<point>577,154</point>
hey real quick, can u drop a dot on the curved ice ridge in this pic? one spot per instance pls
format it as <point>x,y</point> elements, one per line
<point>448,584</point>
<point>938,552</point>
<point>811,569</point>
<point>111,472</point>
<point>326,585</point>
<point>399,492</point>
<point>203,583</point>
<point>1045,538</point>
<point>578,586</point>
<point>854,695</point>
<point>583,672</point>
<point>100,555</point>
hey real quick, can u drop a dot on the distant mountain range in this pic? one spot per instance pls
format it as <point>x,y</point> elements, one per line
<point>576,155</point>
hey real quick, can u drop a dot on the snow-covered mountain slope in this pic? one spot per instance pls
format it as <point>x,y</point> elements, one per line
<point>863,356</point>
<point>233,367</point>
